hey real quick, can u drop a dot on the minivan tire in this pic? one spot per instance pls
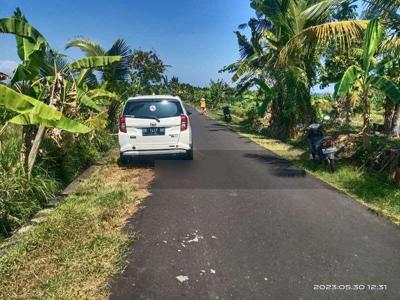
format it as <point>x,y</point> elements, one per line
<point>123,160</point>
<point>189,154</point>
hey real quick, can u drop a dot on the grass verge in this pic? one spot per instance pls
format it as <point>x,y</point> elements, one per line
<point>374,190</point>
<point>75,250</point>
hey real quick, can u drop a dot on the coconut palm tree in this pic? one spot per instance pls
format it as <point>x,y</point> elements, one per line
<point>290,34</point>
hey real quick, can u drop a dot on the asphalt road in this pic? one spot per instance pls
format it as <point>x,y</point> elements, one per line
<point>242,223</point>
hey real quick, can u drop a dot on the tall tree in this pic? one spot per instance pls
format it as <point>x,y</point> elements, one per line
<point>293,32</point>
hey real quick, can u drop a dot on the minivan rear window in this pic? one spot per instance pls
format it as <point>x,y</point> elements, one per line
<point>159,108</point>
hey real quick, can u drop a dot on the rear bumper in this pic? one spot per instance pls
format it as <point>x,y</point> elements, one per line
<point>133,153</point>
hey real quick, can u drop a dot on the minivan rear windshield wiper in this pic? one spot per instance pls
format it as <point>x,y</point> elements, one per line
<point>147,117</point>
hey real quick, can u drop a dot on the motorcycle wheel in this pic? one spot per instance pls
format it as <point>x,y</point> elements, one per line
<point>331,165</point>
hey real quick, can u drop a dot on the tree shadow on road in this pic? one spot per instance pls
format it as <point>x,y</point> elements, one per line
<point>278,166</point>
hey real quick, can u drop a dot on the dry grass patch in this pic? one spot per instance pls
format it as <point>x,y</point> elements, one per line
<point>73,253</point>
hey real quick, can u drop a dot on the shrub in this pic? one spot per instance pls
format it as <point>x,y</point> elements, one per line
<point>57,165</point>
<point>75,153</point>
<point>20,198</point>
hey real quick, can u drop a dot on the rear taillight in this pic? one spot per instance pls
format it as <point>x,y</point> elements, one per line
<point>328,143</point>
<point>184,122</point>
<point>122,124</point>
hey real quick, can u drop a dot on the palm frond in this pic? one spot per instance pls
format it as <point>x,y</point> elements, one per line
<point>245,48</point>
<point>119,71</point>
<point>230,68</point>
<point>384,4</point>
<point>53,62</point>
<point>343,33</point>
<point>244,67</point>
<point>91,79</point>
<point>90,48</point>
<point>392,21</point>
<point>391,45</point>
<point>319,11</point>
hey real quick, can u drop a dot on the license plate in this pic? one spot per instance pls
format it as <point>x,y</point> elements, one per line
<point>153,131</point>
<point>329,150</point>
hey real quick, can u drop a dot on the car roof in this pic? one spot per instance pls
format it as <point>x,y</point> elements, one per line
<point>154,97</point>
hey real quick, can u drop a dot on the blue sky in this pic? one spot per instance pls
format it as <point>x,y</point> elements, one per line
<point>195,37</point>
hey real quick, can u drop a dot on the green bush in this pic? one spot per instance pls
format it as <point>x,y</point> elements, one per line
<point>74,154</point>
<point>20,198</point>
<point>57,165</point>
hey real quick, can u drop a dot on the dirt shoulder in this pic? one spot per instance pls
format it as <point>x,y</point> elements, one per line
<point>81,243</point>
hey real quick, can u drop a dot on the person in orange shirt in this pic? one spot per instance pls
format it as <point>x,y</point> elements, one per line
<point>203,105</point>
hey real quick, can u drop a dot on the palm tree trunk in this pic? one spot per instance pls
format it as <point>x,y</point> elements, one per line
<point>35,149</point>
<point>279,127</point>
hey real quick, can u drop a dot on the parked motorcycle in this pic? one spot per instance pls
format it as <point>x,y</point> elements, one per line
<point>227,114</point>
<point>322,147</point>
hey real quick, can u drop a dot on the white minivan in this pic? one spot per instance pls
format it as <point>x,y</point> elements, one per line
<point>154,125</point>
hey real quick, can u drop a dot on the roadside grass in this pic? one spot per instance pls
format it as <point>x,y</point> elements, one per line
<point>373,189</point>
<point>56,167</point>
<point>81,243</point>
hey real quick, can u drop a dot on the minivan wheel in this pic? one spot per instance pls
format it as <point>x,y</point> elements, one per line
<point>123,160</point>
<point>189,154</point>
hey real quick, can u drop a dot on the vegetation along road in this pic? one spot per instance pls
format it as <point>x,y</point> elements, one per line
<point>240,222</point>
<point>237,222</point>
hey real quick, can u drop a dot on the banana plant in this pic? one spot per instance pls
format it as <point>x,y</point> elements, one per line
<point>58,96</point>
<point>70,79</point>
<point>367,78</point>
<point>31,46</point>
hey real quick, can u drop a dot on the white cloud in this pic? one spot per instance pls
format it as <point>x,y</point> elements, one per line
<point>8,66</point>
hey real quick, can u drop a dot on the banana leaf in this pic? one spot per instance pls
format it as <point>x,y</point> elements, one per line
<point>30,45</point>
<point>64,123</point>
<point>94,62</point>
<point>23,104</point>
<point>30,68</point>
<point>87,101</point>
<point>372,39</point>
<point>386,86</point>
<point>21,28</point>
<point>100,93</point>
<point>352,74</point>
